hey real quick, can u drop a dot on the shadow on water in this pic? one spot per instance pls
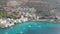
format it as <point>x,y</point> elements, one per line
<point>44,31</point>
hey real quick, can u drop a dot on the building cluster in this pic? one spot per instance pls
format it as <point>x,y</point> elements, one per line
<point>31,11</point>
<point>7,22</point>
<point>24,17</point>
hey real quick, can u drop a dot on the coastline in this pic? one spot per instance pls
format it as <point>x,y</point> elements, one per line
<point>30,21</point>
<point>41,20</point>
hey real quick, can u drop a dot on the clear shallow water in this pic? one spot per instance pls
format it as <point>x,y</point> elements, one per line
<point>33,28</point>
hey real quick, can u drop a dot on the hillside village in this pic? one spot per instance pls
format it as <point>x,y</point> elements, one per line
<point>12,6</point>
<point>18,11</point>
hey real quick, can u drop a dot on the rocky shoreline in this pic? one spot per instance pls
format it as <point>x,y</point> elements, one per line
<point>10,22</point>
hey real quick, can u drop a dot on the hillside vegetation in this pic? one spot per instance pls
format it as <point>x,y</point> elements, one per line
<point>4,14</point>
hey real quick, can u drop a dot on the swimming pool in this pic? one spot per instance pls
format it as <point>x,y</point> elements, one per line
<point>33,27</point>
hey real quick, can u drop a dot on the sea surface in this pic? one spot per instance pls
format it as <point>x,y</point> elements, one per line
<point>33,27</point>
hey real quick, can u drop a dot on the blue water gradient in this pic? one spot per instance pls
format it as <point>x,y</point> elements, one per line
<point>33,27</point>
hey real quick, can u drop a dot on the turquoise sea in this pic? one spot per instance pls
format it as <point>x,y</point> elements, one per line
<point>33,27</point>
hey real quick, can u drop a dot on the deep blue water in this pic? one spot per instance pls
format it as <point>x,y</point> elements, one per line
<point>33,28</point>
